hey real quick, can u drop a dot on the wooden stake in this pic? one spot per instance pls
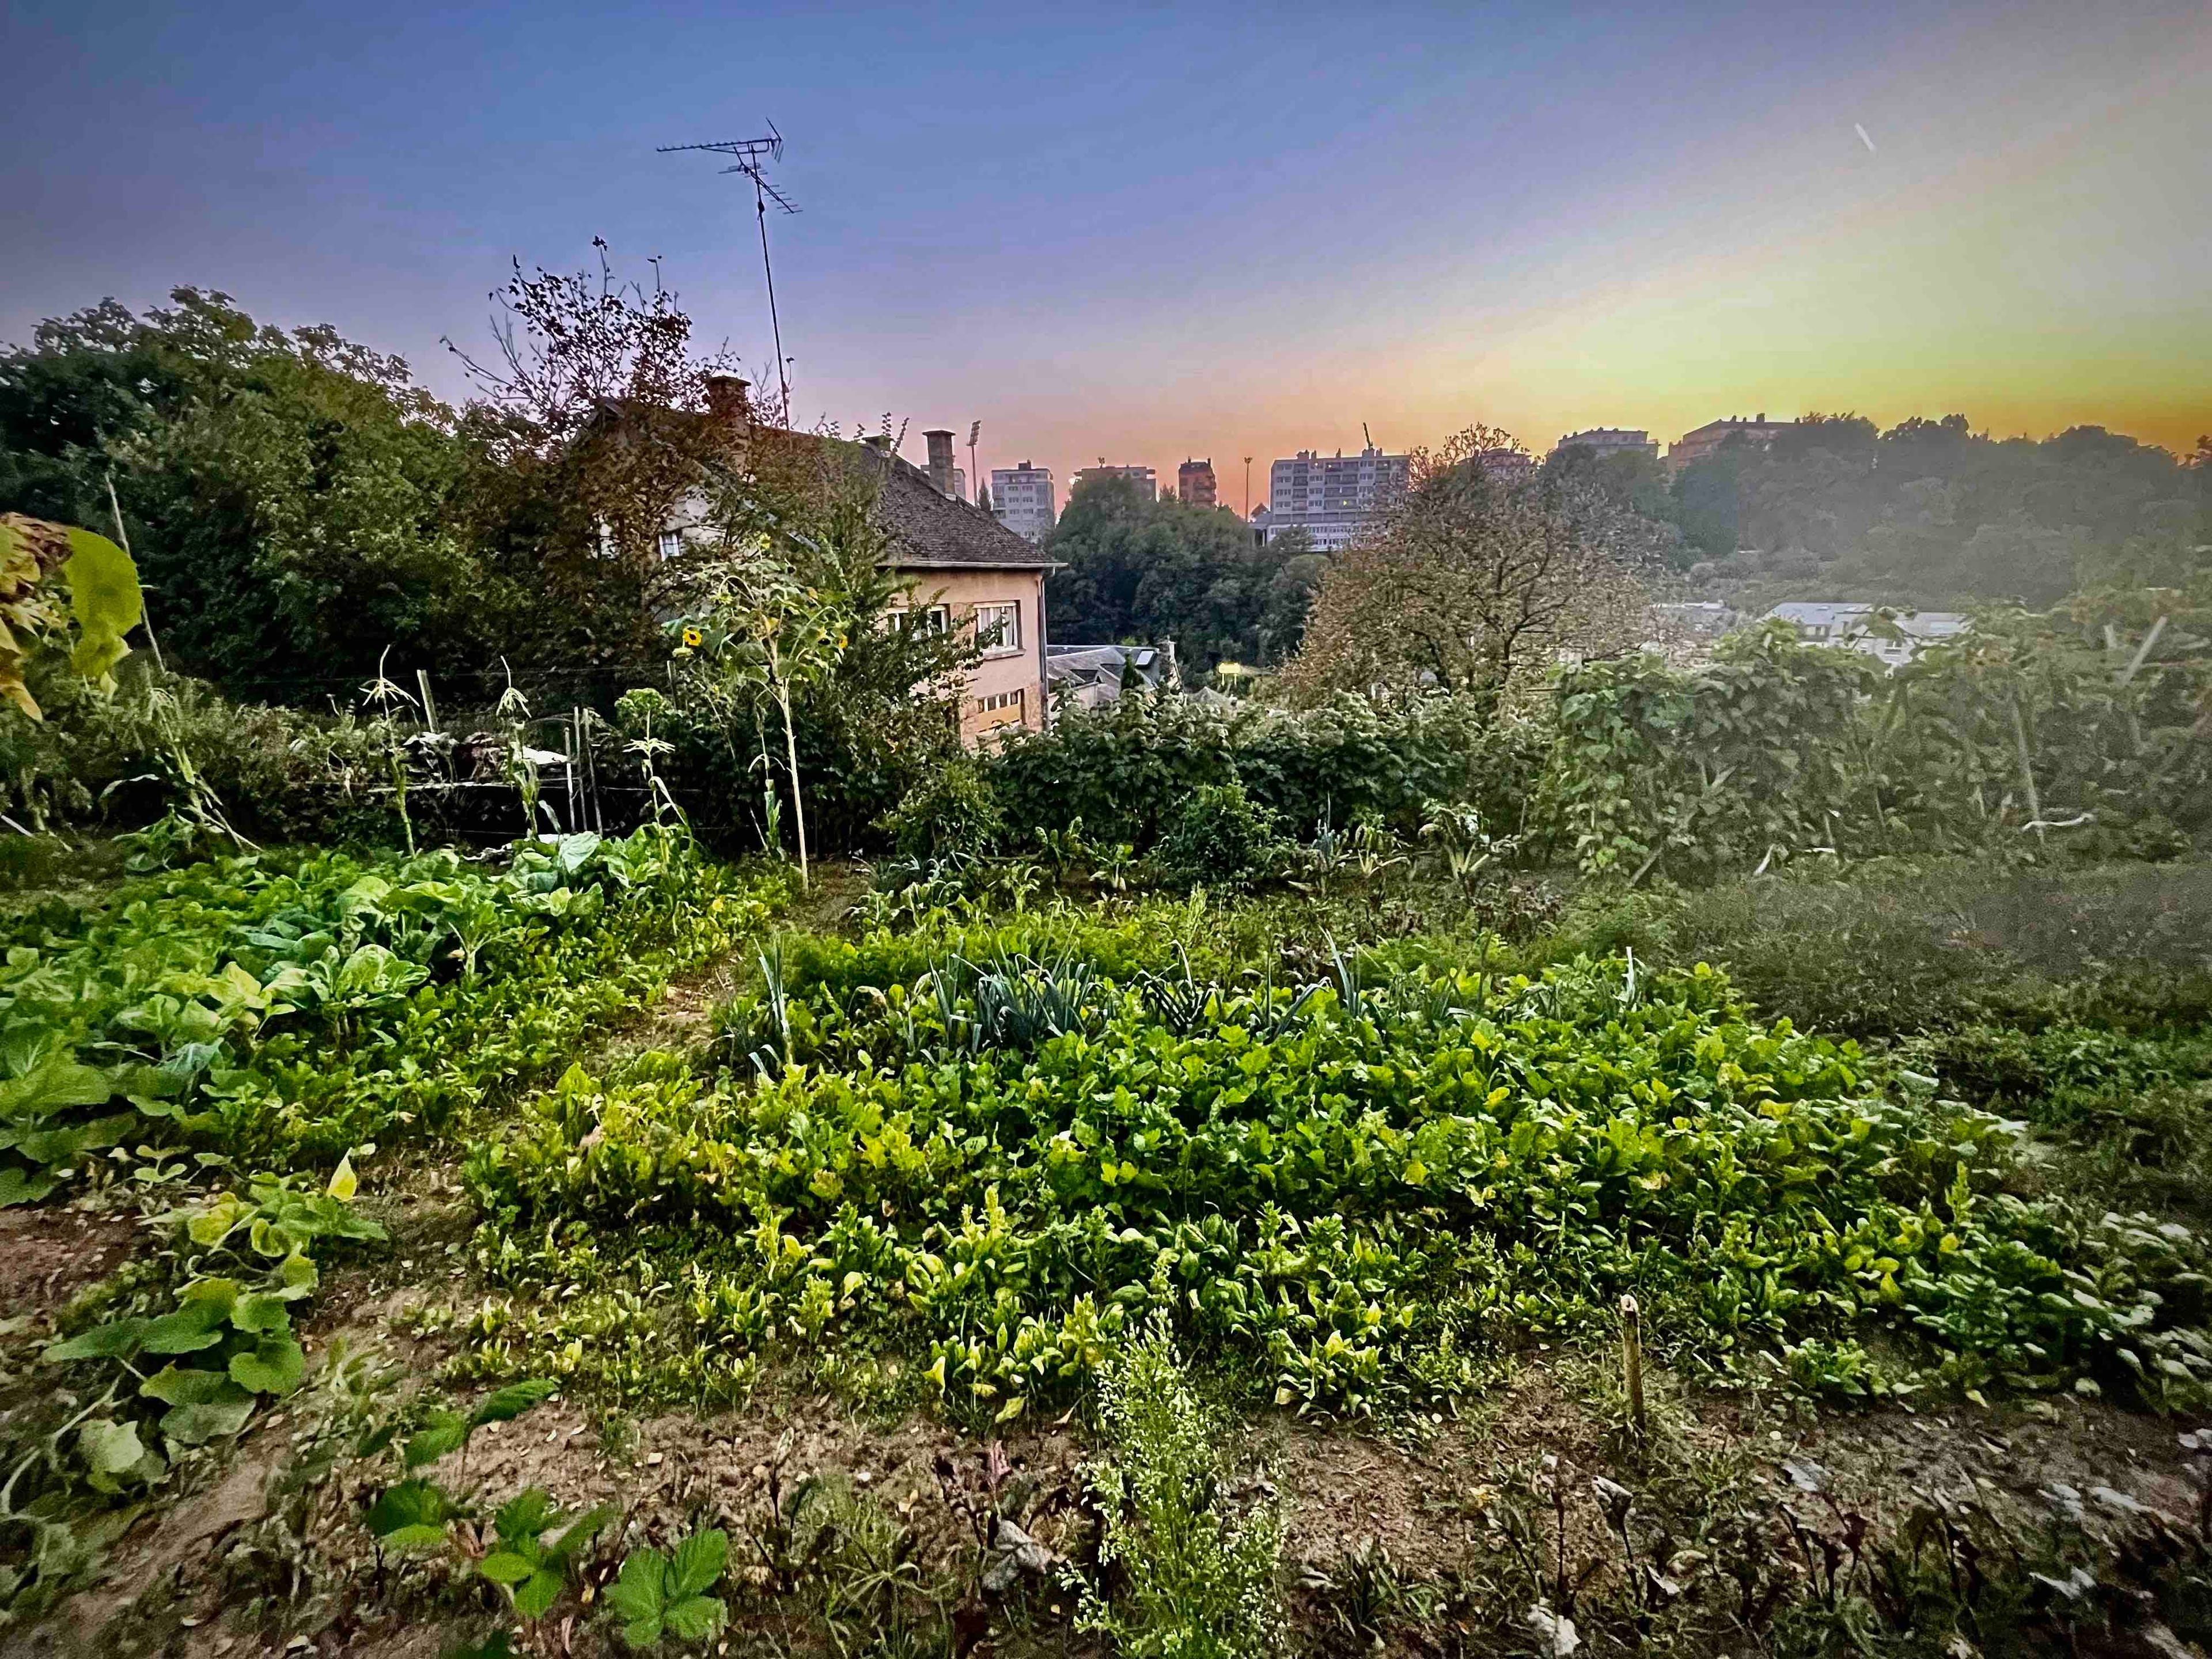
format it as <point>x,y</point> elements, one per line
<point>146,611</point>
<point>2026,771</point>
<point>1632,1360</point>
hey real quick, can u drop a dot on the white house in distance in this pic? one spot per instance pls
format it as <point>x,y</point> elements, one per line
<point>1854,627</point>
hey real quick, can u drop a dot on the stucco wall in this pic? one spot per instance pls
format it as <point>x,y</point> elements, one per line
<point>1000,673</point>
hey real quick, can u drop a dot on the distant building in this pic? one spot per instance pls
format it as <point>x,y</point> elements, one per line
<point>1331,497</point>
<point>1143,476</point>
<point>1605,440</point>
<point>1861,627</point>
<point>1758,432</point>
<point>1194,485</point>
<point>1685,631</point>
<point>1087,675</point>
<point>1507,465</point>
<point>1022,500</point>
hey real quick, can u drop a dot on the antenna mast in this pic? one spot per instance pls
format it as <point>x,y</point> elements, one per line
<point>751,154</point>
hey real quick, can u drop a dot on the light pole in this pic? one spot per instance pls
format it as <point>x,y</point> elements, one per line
<point>1247,490</point>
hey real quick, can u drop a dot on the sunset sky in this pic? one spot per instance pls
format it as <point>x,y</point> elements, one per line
<point>1154,232</point>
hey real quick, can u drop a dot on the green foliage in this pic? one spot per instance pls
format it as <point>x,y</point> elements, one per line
<point>950,812</point>
<point>1155,571</point>
<point>1710,769</point>
<point>2023,727</point>
<point>123,761</point>
<point>800,658</point>
<point>304,1006</point>
<point>104,602</point>
<point>202,1350</point>
<point>292,497</point>
<point>537,1549</point>
<point>531,1550</point>
<point>1931,512</point>
<point>1347,1191</point>
<point>1125,769</point>
<point>659,1594</point>
<point>1219,839</point>
<point>449,1432</point>
<point>1197,1579</point>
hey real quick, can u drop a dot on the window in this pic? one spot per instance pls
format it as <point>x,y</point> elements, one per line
<point>672,543</point>
<point>1014,699</point>
<point>998,629</point>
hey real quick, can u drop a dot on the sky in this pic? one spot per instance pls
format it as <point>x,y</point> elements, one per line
<point>1147,232</point>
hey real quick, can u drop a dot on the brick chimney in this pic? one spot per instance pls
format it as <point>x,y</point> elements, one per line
<point>727,401</point>
<point>940,460</point>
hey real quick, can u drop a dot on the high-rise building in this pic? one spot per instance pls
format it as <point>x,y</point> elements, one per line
<point>1194,485</point>
<point>1606,441</point>
<point>1146,481</point>
<point>1332,497</point>
<point>1022,500</point>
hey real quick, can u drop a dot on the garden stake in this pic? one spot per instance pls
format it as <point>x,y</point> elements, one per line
<point>1632,1361</point>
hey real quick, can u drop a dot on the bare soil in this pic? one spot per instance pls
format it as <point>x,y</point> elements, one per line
<point>48,1255</point>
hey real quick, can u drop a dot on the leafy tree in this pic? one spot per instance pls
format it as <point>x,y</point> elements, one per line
<point>1477,580</point>
<point>1706,502</point>
<point>288,496</point>
<point>1150,571</point>
<point>1927,513</point>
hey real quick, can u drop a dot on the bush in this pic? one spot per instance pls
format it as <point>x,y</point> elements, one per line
<point>1219,839</point>
<point>950,812</point>
<point>1125,769</point>
<point>117,761</point>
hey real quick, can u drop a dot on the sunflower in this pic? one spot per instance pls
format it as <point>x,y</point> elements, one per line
<point>692,636</point>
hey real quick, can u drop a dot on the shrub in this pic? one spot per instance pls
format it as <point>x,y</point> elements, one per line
<point>1125,769</point>
<point>950,812</point>
<point>1219,839</point>
<point>119,761</point>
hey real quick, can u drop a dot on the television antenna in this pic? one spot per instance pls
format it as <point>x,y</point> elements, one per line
<point>752,155</point>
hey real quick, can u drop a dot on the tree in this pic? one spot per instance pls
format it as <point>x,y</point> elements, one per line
<point>1139,570</point>
<point>983,495</point>
<point>595,420</point>
<point>290,496</point>
<point>598,383</point>
<point>1478,580</point>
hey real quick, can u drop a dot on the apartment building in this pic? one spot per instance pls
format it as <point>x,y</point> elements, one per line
<point>1604,441</point>
<point>1144,477</point>
<point>1332,497</point>
<point>1195,483</point>
<point>1022,500</point>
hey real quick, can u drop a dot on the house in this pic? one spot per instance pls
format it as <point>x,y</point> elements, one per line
<point>968,571</point>
<point>1088,675</point>
<point>1892,637</point>
<point>963,569</point>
